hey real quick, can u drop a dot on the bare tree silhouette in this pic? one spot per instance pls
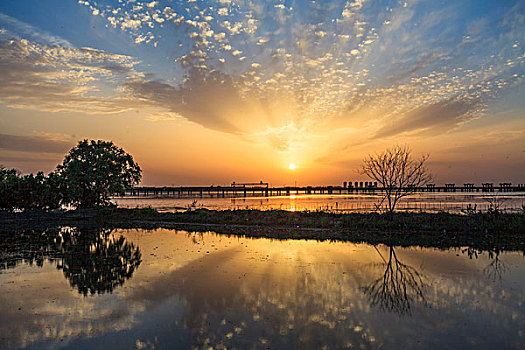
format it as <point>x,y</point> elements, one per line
<point>495,202</point>
<point>397,172</point>
<point>398,287</point>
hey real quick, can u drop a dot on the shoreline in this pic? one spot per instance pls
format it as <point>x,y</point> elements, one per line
<point>484,231</point>
<point>431,202</point>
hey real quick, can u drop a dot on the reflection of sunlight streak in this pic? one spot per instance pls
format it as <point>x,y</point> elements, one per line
<point>455,203</point>
<point>293,206</point>
<point>301,290</point>
<point>308,287</point>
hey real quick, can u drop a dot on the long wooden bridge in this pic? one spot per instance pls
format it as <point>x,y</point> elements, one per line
<point>263,190</point>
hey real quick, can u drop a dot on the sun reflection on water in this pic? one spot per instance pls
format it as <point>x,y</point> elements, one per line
<point>218,290</point>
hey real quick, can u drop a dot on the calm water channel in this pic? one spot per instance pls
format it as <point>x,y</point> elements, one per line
<point>430,202</point>
<point>87,288</point>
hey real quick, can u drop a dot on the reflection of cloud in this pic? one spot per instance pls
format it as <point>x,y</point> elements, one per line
<point>46,309</point>
<point>51,313</point>
<point>217,290</point>
<point>294,294</point>
<point>225,302</point>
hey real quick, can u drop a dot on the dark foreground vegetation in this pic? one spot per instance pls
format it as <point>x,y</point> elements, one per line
<point>479,230</point>
<point>90,174</point>
<point>93,171</point>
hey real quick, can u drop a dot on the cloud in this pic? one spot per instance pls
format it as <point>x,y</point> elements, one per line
<point>56,78</point>
<point>249,67</point>
<point>32,143</point>
<point>383,49</point>
<point>32,32</point>
<point>434,118</point>
<point>211,101</point>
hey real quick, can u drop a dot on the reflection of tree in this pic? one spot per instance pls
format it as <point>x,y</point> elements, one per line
<point>32,247</point>
<point>496,268</point>
<point>399,286</point>
<point>93,260</point>
<point>196,237</point>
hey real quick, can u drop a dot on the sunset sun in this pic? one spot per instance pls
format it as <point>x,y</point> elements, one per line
<point>143,151</point>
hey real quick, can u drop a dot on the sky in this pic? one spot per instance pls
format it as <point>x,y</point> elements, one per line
<point>210,92</point>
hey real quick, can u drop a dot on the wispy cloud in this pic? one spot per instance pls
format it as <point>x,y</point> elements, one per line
<point>406,66</point>
<point>433,118</point>
<point>57,78</point>
<point>36,143</point>
<point>257,67</point>
<point>27,30</point>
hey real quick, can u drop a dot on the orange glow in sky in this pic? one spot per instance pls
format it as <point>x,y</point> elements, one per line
<point>211,92</point>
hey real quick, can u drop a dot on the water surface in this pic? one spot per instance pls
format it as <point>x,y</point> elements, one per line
<point>79,288</point>
<point>455,202</point>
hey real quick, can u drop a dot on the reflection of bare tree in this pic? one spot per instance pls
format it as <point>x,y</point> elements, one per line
<point>93,260</point>
<point>496,268</point>
<point>399,286</point>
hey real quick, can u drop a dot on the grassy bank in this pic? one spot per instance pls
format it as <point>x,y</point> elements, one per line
<point>480,230</point>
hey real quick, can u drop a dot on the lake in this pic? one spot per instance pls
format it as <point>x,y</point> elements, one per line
<point>454,202</point>
<point>92,288</point>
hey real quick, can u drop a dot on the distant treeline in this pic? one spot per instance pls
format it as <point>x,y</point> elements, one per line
<point>90,174</point>
<point>29,192</point>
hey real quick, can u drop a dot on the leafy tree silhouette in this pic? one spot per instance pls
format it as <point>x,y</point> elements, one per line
<point>95,170</point>
<point>29,192</point>
<point>9,179</point>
